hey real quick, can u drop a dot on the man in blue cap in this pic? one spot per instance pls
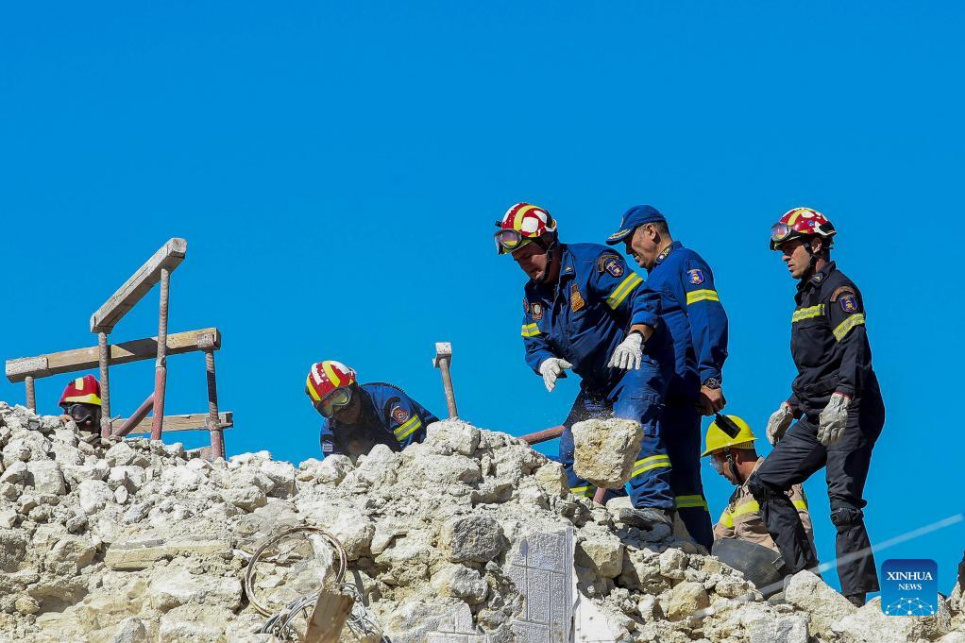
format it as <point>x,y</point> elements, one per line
<point>691,309</point>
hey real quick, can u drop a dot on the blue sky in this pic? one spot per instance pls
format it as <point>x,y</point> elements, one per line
<point>336,170</point>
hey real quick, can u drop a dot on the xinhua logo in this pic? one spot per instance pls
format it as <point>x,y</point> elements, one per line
<point>909,587</point>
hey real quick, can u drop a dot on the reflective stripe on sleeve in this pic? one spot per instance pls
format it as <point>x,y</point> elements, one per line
<point>807,313</point>
<point>800,505</point>
<point>845,327</point>
<point>625,288</point>
<point>727,519</point>
<point>586,491</point>
<point>530,330</point>
<point>652,462</point>
<point>405,430</point>
<point>702,295</point>
<point>685,502</point>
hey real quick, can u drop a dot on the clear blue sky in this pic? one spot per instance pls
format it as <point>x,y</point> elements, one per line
<point>337,168</point>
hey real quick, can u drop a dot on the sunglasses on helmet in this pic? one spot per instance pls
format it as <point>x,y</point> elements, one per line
<point>337,399</point>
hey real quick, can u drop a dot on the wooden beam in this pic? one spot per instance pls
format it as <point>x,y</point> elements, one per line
<point>167,258</point>
<point>82,359</point>
<point>190,422</point>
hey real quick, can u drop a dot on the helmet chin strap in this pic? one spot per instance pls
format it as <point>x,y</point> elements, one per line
<point>811,262</point>
<point>733,469</point>
<point>551,254</point>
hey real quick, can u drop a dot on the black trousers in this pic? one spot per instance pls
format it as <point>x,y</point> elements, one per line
<point>798,456</point>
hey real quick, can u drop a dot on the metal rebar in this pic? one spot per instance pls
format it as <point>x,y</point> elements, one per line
<point>160,368</point>
<point>543,436</point>
<point>135,419</point>
<point>214,422</point>
<point>31,393</point>
<point>104,359</point>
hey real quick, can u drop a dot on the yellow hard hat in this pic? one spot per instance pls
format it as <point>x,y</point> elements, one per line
<point>718,439</point>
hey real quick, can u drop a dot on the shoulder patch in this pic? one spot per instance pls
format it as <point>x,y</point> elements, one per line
<point>849,303</point>
<point>610,263</point>
<point>841,291</point>
<point>399,414</point>
<point>536,311</point>
<point>327,447</point>
<point>695,276</point>
<point>576,299</point>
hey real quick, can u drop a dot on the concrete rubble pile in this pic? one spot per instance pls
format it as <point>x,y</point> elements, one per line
<point>471,537</point>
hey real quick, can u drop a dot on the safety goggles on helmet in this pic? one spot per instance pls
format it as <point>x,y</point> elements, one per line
<point>337,399</point>
<point>509,241</point>
<point>80,413</point>
<point>780,232</point>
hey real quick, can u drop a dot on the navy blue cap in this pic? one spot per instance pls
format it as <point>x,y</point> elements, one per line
<point>632,218</point>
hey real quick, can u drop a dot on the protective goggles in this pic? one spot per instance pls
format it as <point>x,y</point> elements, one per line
<point>780,232</point>
<point>337,399</point>
<point>508,241</point>
<point>80,413</point>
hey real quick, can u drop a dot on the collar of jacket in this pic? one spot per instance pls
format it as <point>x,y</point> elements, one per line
<point>567,269</point>
<point>666,253</point>
<point>816,279</point>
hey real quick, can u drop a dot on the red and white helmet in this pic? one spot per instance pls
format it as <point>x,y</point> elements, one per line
<point>83,390</point>
<point>326,377</point>
<point>800,223</point>
<point>521,224</point>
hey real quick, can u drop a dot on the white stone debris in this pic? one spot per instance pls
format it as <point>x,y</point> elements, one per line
<point>470,537</point>
<point>606,451</point>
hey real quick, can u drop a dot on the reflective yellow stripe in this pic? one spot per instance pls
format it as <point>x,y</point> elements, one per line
<point>652,462</point>
<point>408,428</point>
<point>749,507</point>
<point>801,505</point>
<point>518,218</point>
<point>625,288</point>
<point>530,330</point>
<point>849,323</point>
<point>702,295</point>
<point>807,313</point>
<point>727,519</point>
<point>79,383</point>
<point>586,491</point>
<point>332,375</point>
<point>685,502</point>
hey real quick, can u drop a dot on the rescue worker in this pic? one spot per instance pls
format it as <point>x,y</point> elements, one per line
<point>695,318</point>
<point>81,402</point>
<point>585,310</point>
<point>836,401</point>
<point>735,458</point>
<point>360,416</point>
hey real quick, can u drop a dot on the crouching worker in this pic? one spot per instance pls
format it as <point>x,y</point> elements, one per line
<point>360,416</point>
<point>81,402</point>
<point>741,539</point>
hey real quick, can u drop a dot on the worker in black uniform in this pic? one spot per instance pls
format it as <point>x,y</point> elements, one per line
<point>836,401</point>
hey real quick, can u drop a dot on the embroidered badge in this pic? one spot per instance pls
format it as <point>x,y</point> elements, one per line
<point>614,268</point>
<point>399,414</point>
<point>536,310</point>
<point>849,303</point>
<point>327,447</point>
<point>695,276</point>
<point>576,299</point>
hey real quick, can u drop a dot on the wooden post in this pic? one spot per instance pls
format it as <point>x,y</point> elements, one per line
<point>31,394</point>
<point>160,368</point>
<point>214,422</point>
<point>332,610</point>
<point>442,361</point>
<point>104,358</point>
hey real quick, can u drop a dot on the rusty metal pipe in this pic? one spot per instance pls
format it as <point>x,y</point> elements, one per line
<point>138,415</point>
<point>214,422</point>
<point>543,436</point>
<point>104,359</point>
<point>598,496</point>
<point>160,369</point>
<point>31,393</point>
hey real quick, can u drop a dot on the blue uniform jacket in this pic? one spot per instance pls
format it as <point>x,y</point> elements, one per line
<point>586,315</point>
<point>388,416</point>
<point>691,309</point>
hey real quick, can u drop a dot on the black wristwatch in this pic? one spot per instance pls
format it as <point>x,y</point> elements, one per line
<point>712,383</point>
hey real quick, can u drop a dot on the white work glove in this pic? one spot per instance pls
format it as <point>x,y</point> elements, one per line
<point>778,423</point>
<point>833,419</point>
<point>629,354</point>
<point>551,369</point>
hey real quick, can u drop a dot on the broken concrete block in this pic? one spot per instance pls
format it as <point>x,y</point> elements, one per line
<point>472,539</point>
<point>685,599</point>
<point>453,436</point>
<point>783,629</point>
<point>809,593</point>
<point>94,496</point>
<point>606,451</point>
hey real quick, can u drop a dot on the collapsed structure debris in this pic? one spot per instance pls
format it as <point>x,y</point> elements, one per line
<point>470,536</point>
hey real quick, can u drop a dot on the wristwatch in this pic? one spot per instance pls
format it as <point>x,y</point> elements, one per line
<point>712,383</point>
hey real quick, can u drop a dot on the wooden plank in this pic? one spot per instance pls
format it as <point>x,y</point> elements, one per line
<point>189,422</point>
<point>169,257</point>
<point>82,359</point>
